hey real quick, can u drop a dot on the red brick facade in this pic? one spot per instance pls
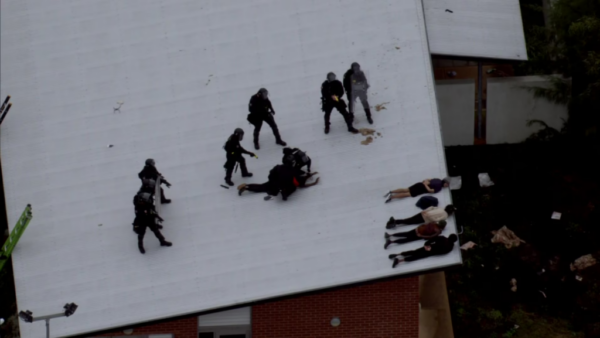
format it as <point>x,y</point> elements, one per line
<point>388,309</point>
<point>181,328</point>
<point>383,309</point>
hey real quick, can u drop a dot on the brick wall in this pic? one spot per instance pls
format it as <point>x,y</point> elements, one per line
<point>388,309</point>
<point>181,328</point>
<point>384,309</point>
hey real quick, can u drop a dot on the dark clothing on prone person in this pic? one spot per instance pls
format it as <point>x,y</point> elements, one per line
<point>433,247</point>
<point>439,246</point>
<point>282,178</point>
<point>423,231</point>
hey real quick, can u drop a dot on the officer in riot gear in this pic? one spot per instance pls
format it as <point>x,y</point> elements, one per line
<point>261,110</point>
<point>151,173</point>
<point>331,97</point>
<point>296,158</point>
<point>234,152</point>
<point>356,85</point>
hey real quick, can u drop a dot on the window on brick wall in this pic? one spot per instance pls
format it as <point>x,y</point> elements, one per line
<point>168,335</point>
<point>242,331</point>
<point>226,324</point>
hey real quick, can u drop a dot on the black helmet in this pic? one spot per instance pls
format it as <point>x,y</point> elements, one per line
<point>330,76</point>
<point>239,132</point>
<point>287,150</point>
<point>264,93</point>
<point>150,162</point>
<point>355,66</point>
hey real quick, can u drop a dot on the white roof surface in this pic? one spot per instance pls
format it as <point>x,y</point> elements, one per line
<point>185,71</point>
<point>476,28</point>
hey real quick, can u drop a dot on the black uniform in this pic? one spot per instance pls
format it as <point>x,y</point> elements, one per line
<point>439,246</point>
<point>285,177</point>
<point>234,153</point>
<point>270,187</point>
<point>356,85</point>
<point>282,178</point>
<point>150,172</point>
<point>145,218</point>
<point>261,110</point>
<point>296,158</point>
<point>328,89</point>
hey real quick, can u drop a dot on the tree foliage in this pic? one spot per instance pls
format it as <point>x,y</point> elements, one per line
<point>569,46</point>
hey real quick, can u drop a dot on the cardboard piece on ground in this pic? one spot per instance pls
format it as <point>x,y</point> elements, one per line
<point>455,182</point>
<point>485,180</point>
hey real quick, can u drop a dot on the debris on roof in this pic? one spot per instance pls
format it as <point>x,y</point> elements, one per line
<point>507,237</point>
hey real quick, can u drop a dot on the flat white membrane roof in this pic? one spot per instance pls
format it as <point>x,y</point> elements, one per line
<point>185,71</point>
<point>476,28</point>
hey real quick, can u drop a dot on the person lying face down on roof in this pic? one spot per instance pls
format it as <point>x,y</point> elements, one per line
<point>282,178</point>
<point>433,247</point>
<point>428,186</point>
<point>423,231</point>
<point>431,214</point>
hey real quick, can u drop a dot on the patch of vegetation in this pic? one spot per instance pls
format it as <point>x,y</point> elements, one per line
<point>532,180</point>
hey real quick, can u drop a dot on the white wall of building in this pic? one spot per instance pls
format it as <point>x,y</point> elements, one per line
<point>456,102</point>
<point>510,106</point>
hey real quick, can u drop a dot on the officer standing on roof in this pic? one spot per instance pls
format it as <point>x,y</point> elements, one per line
<point>150,172</point>
<point>331,97</point>
<point>146,219</point>
<point>143,202</point>
<point>234,151</point>
<point>356,85</point>
<point>261,110</point>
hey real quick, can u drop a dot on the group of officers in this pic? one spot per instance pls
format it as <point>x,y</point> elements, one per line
<point>355,86</point>
<point>261,110</point>
<point>284,178</point>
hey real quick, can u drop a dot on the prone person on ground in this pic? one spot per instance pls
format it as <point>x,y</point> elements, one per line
<point>423,231</point>
<point>433,247</point>
<point>431,214</point>
<point>428,186</point>
<point>282,178</point>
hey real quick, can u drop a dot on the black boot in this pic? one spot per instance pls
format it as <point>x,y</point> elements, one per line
<point>387,243</point>
<point>247,175</point>
<point>165,201</point>
<point>391,224</point>
<point>141,247</point>
<point>228,181</point>
<point>350,127</point>
<point>368,111</point>
<point>326,129</point>
<point>278,139</point>
<point>256,144</point>
<point>165,243</point>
